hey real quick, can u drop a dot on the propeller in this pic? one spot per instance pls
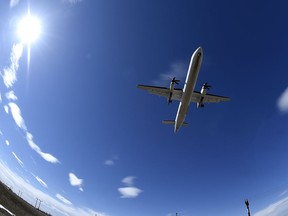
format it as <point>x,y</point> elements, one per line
<point>206,86</point>
<point>174,80</point>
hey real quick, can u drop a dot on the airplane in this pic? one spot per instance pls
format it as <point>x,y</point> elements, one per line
<point>187,94</point>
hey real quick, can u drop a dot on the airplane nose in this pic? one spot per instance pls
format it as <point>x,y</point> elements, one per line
<point>199,51</point>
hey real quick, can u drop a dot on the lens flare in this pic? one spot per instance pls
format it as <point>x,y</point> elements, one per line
<point>29,29</point>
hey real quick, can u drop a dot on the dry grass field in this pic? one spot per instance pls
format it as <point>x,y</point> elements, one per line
<point>16,204</point>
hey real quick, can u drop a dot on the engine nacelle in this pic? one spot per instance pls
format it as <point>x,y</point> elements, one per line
<point>171,89</point>
<point>203,91</point>
<point>200,104</point>
<point>172,84</point>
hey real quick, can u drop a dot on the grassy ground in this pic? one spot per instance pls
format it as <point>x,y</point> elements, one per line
<point>15,204</point>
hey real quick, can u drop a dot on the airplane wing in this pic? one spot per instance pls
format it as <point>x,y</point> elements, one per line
<point>208,98</point>
<point>162,91</point>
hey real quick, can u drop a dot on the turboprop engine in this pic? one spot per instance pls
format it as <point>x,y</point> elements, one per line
<point>203,91</point>
<point>171,89</point>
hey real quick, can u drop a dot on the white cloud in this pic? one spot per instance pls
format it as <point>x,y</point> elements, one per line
<point>72,1</point>
<point>16,114</point>
<point>177,69</point>
<point>63,199</point>
<point>40,181</point>
<point>11,96</point>
<point>14,3</point>
<point>129,192</point>
<point>129,180</point>
<point>49,204</point>
<point>18,160</point>
<point>283,193</point>
<point>279,208</point>
<point>6,108</point>
<point>46,156</point>
<point>7,142</point>
<point>9,74</point>
<point>75,181</point>
<point>109,162</point>
<point>282,102</point>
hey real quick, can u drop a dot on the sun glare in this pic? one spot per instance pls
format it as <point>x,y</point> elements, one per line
<point>29,29</point>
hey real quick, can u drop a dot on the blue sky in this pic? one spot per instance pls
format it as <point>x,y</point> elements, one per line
<point>77,133</point>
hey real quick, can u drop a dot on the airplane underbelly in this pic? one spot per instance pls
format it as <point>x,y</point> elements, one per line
<point>193,72</point>
<point>181,114</point>
<point>189,86</point>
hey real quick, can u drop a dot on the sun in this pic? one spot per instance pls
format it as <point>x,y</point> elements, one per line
<point>29,29</point>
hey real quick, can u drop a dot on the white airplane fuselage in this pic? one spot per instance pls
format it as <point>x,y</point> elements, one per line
<point>192,75</point>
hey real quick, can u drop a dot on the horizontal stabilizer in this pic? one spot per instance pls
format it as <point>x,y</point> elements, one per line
<point>173,122</point>
<point>168,122</point>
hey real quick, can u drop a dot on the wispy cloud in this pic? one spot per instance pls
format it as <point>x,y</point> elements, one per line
<point>18,160</point>
<point>63,199</point>
<point>16,114</point>
<point>129,180</point>
<point>6,108</point>
<point>72,1</point>
<point>11,96</point>
<point>9,78</point>
<point>50,204</point>
<point>14,3</point>
<point>279,208</point>
<point>46,156</point>
<point>129,191</point>
<point>40,181</point>
<point>75,181</point>
<point>9,74</point>
<point>111,162</point>
<point>177,69</point>
<point>283,193</point>
<point>282,102</point>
